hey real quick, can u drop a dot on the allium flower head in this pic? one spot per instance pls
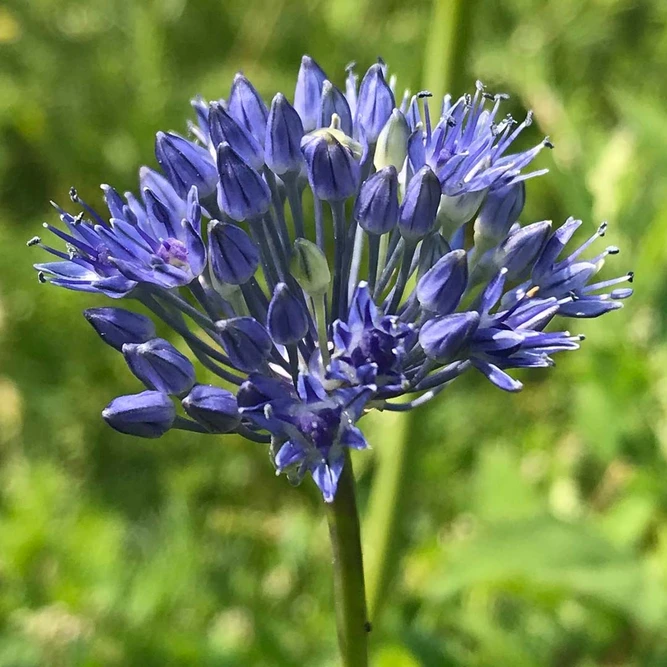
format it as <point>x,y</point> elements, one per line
<point>287,341</point>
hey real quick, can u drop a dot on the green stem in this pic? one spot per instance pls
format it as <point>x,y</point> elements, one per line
<point>319,308</point>
<point>447,47</point>
<point>348,572</point>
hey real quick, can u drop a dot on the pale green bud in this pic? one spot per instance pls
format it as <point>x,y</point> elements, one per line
<point>309,267</point>
<point>392,143</point>
<point>457,210</point>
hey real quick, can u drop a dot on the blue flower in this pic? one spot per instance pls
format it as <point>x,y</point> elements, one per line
<point>310,426</point>
<point>369,348</point>
<point>432,272</point>
<point>152,242</point>
<point>468,147</point>
<point>570,277</point>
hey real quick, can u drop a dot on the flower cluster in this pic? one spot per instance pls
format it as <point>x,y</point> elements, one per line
<point>404,266</point>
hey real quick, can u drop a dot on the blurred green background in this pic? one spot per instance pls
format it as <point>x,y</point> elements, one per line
<point>534,530</point>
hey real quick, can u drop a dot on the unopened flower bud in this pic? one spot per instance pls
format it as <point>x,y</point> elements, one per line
<point>332,159</point>
<point>149,414</point>
<point>442,287</point>
<point>334,102</point>
<point>308,92</point>
<point>246,342</point>
<point>242,193</point>
<point>392,143</point>
<point>501,209</point>
<point>284,132</point>
<point>185,164</point>
<point>287,319</point>
<point>212,407</point>
<point>420,205</point>
<point>233,255</point>
<point>160,366</point>
<point>376,208</point>
<point>374,104</point>
<point>521,248</point>
<point>442,337</point>
<point>247,107</point>
<point>309,267</point>
<point>116,326</point>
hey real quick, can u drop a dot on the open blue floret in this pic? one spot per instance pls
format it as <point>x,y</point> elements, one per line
<point>154,241</point>
<point>310,427</point>
<point>369,348</point>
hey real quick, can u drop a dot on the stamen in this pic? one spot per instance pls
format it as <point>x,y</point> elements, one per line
<point>49,249</point>
<point>627,278</point>
<point>532,292</point>
<point>601,231</point>
<point>497,100</point>
<point>446,105</point>
<point>66,217</point>
<point>507,141</point>
<point>424,95</point>
<point>74,196</point>
<point>70,240</point>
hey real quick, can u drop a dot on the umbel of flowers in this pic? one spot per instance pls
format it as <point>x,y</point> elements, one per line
<point>413,270</point>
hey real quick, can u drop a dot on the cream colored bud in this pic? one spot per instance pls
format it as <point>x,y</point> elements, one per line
<point>392,143</point>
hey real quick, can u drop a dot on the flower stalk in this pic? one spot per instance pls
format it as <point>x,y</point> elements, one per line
<point>348,572</point>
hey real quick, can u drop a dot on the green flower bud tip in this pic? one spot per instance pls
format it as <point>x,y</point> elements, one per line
<point>392,143</point>
<point>309,267</point>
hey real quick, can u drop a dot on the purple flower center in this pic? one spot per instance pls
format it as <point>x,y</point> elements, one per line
<point>173,252</point>
<point>103,255</point>
<point>377,347</point>
<point>320,427</point>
